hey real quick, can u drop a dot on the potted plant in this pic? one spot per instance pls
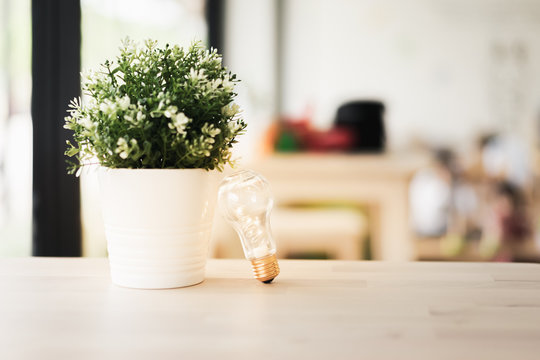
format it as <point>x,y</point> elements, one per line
<point>157,121</point>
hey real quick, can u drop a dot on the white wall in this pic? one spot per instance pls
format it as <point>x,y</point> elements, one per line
<point>250,52</point>
<point>445,68</point>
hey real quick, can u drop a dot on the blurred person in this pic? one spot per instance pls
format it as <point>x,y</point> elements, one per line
<point>506,158</point>
<point>507,223</point>
<point>444,204</point>
<point>505,174</point>
<point>439,194</point>
<point>430,197</point>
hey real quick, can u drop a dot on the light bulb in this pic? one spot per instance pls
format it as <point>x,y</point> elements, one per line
<point>245,201</point>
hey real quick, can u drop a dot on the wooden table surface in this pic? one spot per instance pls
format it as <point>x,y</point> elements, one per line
<point>68,309</point>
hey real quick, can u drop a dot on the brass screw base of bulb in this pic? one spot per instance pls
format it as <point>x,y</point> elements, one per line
<point>265,269</point>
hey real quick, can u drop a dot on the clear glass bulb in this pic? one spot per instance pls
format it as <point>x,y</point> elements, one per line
<point>245,200</point>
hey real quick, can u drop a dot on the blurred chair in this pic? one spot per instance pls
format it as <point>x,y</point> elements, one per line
<point>336,233</point>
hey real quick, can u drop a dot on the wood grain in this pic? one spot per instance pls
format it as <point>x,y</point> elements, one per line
<point>68,309</point>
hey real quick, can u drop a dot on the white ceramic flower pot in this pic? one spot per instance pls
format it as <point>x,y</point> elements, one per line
<point>157,224</point>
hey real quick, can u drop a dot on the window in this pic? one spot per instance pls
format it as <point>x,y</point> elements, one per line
<point>15,128</point>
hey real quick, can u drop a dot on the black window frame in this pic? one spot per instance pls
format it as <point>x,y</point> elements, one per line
<point>56,56</point>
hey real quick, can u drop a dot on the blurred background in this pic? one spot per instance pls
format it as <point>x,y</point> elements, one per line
<point>387,129</point>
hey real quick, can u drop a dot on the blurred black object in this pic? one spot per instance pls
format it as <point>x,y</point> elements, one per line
<point>365,120</point>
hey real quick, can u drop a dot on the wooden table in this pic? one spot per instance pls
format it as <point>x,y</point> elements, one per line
<point>68,309</point>
<point>381,182</point>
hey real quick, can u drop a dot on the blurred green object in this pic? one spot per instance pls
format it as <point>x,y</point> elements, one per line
<point>287,142</point>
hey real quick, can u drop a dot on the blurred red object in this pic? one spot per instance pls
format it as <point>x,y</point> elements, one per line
<point>334,139</point>
<point>297,134</point>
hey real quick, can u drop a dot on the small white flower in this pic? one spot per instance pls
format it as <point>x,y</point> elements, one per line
<point>216,83</point>
<point>230,110</point>
<point>197,75</point>
<point>128,45</point>
<point>122,148</point>
<point>234,127</point>
<point>179,122</point>
<point>124,102</point>
<point>170,112</point>
<point>209,132</point>
<point>228,85</point>
<point>108,107</point>
<point>87,123</point>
